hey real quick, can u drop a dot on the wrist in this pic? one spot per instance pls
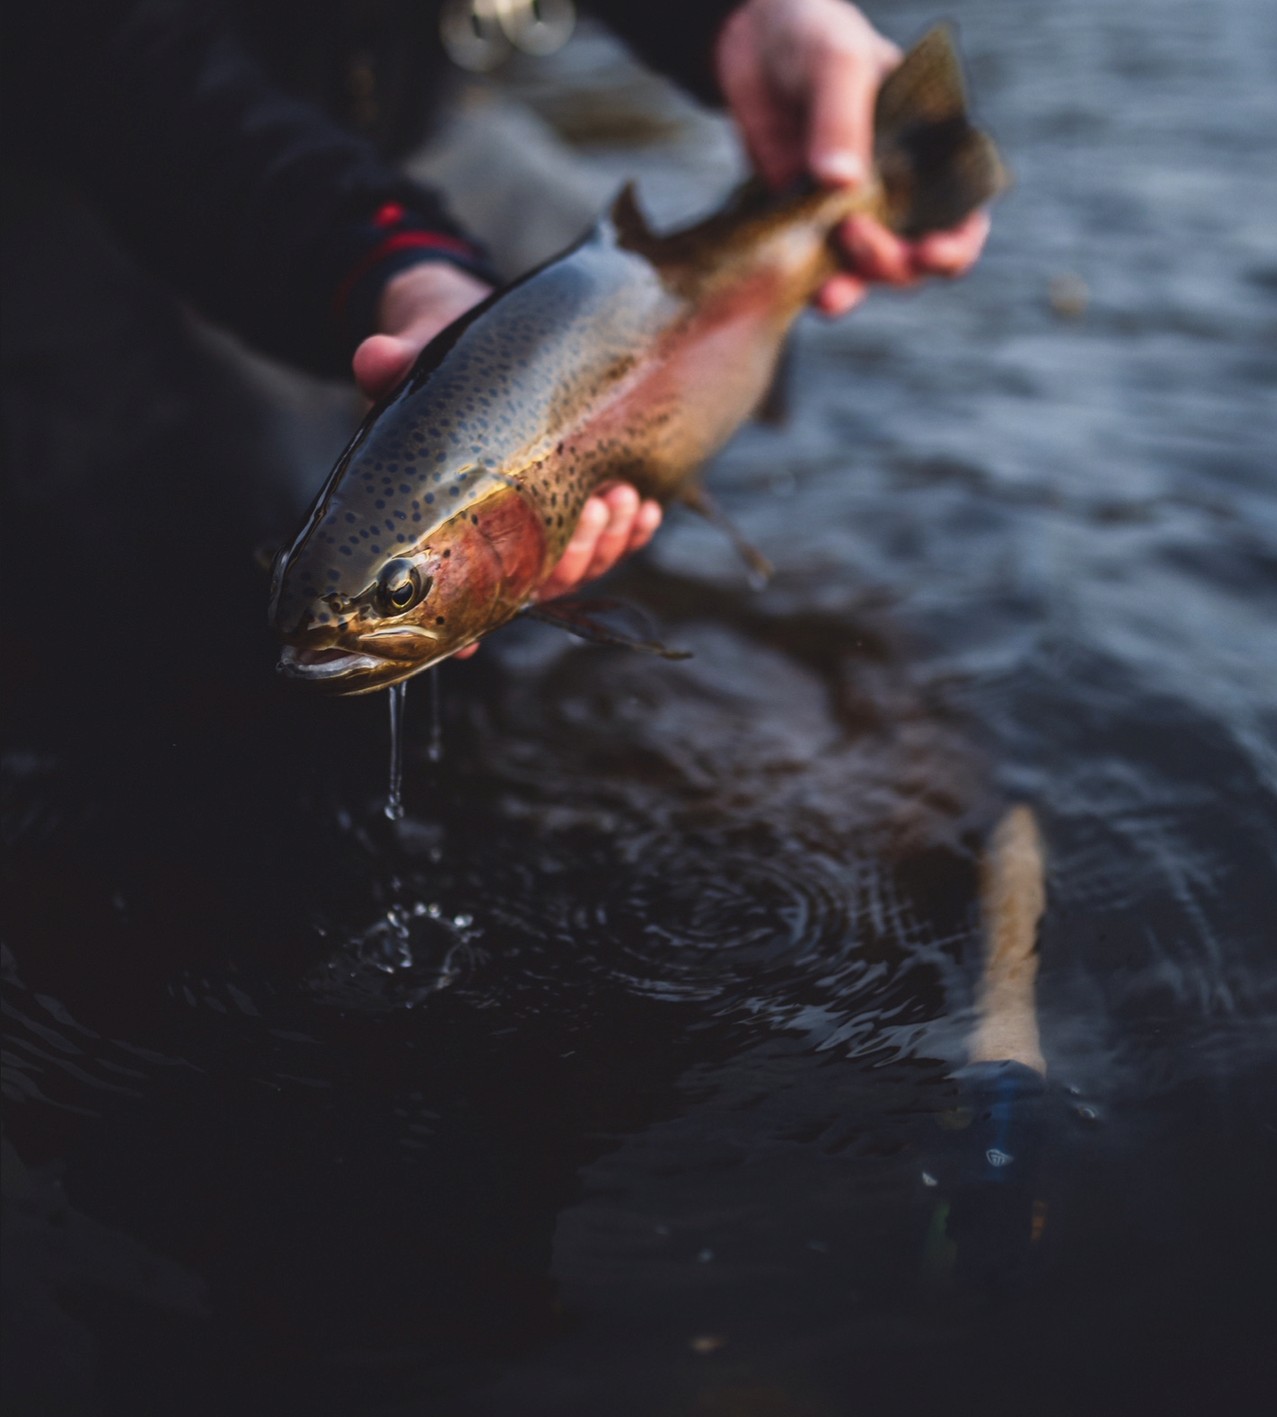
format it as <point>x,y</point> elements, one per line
<point>393,240</point>
<point>433,290</point>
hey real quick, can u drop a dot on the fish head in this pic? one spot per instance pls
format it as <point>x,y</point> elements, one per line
<point>359,621</point>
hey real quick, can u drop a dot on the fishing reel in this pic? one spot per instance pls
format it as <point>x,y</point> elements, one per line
<point>480,35</point>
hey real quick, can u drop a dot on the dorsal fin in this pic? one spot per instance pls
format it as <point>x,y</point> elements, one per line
<point>628,220</point>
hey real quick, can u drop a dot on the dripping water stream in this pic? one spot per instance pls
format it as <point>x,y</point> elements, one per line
<point>434,745</point>
<point>394,808</point>
<point>394,795</point>
<point>394,941</point>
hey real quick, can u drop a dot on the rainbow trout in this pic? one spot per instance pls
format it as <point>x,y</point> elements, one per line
<point>633,356</point>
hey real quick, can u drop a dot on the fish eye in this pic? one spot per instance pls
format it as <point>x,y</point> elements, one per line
<point>401,586</point>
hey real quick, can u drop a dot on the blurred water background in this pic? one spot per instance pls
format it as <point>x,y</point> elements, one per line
<point>618,1079</point>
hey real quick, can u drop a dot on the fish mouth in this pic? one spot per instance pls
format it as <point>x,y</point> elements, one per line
<point>400,641</point>
<point>321,664</point>
<point>346,671</point>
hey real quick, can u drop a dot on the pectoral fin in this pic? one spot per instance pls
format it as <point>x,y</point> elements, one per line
<point>603,622</point>
<point>628,221</point>
<point>760,568</point>
<point>774,406</point>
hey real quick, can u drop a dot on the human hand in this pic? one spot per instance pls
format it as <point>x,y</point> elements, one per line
<point>801,77</point>
<point>415,306</point>
<point>614,523</point>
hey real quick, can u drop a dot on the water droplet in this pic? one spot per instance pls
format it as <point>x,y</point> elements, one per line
<point>394,798</point>
<point>434,746</point>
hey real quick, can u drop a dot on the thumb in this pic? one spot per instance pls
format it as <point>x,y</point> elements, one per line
<point>380,362</point>
<point>840,122</point>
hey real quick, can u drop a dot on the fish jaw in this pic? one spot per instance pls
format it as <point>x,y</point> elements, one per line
<point>486,563</point>
<point>350,671</point>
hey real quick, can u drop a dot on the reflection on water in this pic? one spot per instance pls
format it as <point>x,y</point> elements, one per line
<point>618,1076</point>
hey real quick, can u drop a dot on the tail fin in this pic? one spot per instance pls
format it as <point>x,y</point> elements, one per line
<point>936,167</point>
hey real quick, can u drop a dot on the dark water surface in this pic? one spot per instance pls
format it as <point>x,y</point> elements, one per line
<point>617,1078</point>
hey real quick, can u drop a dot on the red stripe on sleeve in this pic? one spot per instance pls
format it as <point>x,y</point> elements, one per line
<point>401,241</point>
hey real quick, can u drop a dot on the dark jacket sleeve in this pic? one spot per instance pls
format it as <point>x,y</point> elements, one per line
<point>272,219</point>
<point>675,37</point>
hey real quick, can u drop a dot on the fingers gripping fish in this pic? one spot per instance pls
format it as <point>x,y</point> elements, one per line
<point>633,356</point>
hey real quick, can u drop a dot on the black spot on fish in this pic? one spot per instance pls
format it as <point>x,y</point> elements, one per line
<point>380,504</point>
<point>350,517</point>
<point>430,497</point>
<point>439,620</point>
<point>345,550</point>
<point>446,554</point>
<point>375,549</point>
